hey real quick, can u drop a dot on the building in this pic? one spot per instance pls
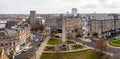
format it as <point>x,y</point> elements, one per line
<point>55,23</point>
<point>74,11</point>
<point>104,26</point>
<point>15,37</point>
<point>32,19</point>
<point>35,19</point>
<point>51,23</point>
<point>73,23</point>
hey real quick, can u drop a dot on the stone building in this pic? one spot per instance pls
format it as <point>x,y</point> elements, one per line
<point>55,23</point>
<point>104,26</point>
<point>73,23</point>
<point>32,19</point>
<point>35,19</point>
<point>15,37</point>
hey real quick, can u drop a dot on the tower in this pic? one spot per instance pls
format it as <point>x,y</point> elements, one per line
<point>74,11</point>
<point>32,19</point>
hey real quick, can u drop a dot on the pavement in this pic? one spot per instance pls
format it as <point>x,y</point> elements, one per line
<point>41,48</point>
<point>93,43</point>
<point>67,51</point>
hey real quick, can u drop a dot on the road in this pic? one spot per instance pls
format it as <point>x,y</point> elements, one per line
<point>93,43</point>
<point>32,50</point>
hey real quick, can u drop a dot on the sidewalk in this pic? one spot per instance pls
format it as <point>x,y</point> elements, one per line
<point>41,48</point>
<point>68,51</point>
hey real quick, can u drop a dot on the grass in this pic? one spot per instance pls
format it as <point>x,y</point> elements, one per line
<point>53,41</point>
<point>70,42</point>
<point>115,42</point>
<point>87,54</point>
<point>50,48</point>
<point>77,46</point>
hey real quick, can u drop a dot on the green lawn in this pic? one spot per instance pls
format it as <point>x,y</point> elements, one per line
<point>54,41</point>
<point>58,41</point>
<point>115,42</point>
<point>70,42</point>
<point>87,54</point>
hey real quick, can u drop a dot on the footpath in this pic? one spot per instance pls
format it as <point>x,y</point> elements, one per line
<point>41,48</point>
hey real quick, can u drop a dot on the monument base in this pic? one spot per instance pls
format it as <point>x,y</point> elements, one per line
<point>63,47</point>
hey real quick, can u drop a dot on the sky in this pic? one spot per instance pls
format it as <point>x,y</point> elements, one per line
<point>59,6</point>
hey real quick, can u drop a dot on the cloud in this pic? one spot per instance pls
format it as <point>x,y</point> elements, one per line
<point>55,6</point>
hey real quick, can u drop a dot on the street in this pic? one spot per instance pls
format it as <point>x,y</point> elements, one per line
<point>32,50</point>
<point>93,43</point>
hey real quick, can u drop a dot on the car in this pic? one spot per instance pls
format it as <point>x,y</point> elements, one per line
<point>25,49</point>
<point>36,39</point>
<point>18,53</point>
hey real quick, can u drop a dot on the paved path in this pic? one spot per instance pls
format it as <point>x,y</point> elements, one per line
<point>93,43</point>
<point>41,48</point>
<point>67,51</point>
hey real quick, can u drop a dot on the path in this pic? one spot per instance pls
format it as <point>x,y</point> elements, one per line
<point>41,48</point>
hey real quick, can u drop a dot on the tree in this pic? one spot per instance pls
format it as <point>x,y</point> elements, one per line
<point>70,35</point>
<point>28,57</point>
<point>101,46</point>
<point>58,54</point>
<point>95,34</point>
<point>41,27</point>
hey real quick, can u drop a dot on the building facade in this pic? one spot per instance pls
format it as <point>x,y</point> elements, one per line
<point>105,28</point>
<point>32,19</point>
<point>70,23</point>
<point>16,37</point>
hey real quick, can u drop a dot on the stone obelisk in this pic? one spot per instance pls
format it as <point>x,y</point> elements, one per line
<point>63,33</point>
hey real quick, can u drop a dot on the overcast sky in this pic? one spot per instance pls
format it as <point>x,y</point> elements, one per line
<point>59,6</point>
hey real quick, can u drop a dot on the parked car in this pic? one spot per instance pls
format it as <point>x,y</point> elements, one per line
<point>18,53</point>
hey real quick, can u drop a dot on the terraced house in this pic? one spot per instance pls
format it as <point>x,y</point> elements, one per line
<point>15,37</point>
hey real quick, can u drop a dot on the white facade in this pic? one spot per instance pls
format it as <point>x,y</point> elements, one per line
<point>85,27</point>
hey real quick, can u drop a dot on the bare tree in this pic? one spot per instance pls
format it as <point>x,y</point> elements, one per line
<point>41,27</point>
<point>58,54</point>
<point>101,46</point>
<point>70,35</point>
